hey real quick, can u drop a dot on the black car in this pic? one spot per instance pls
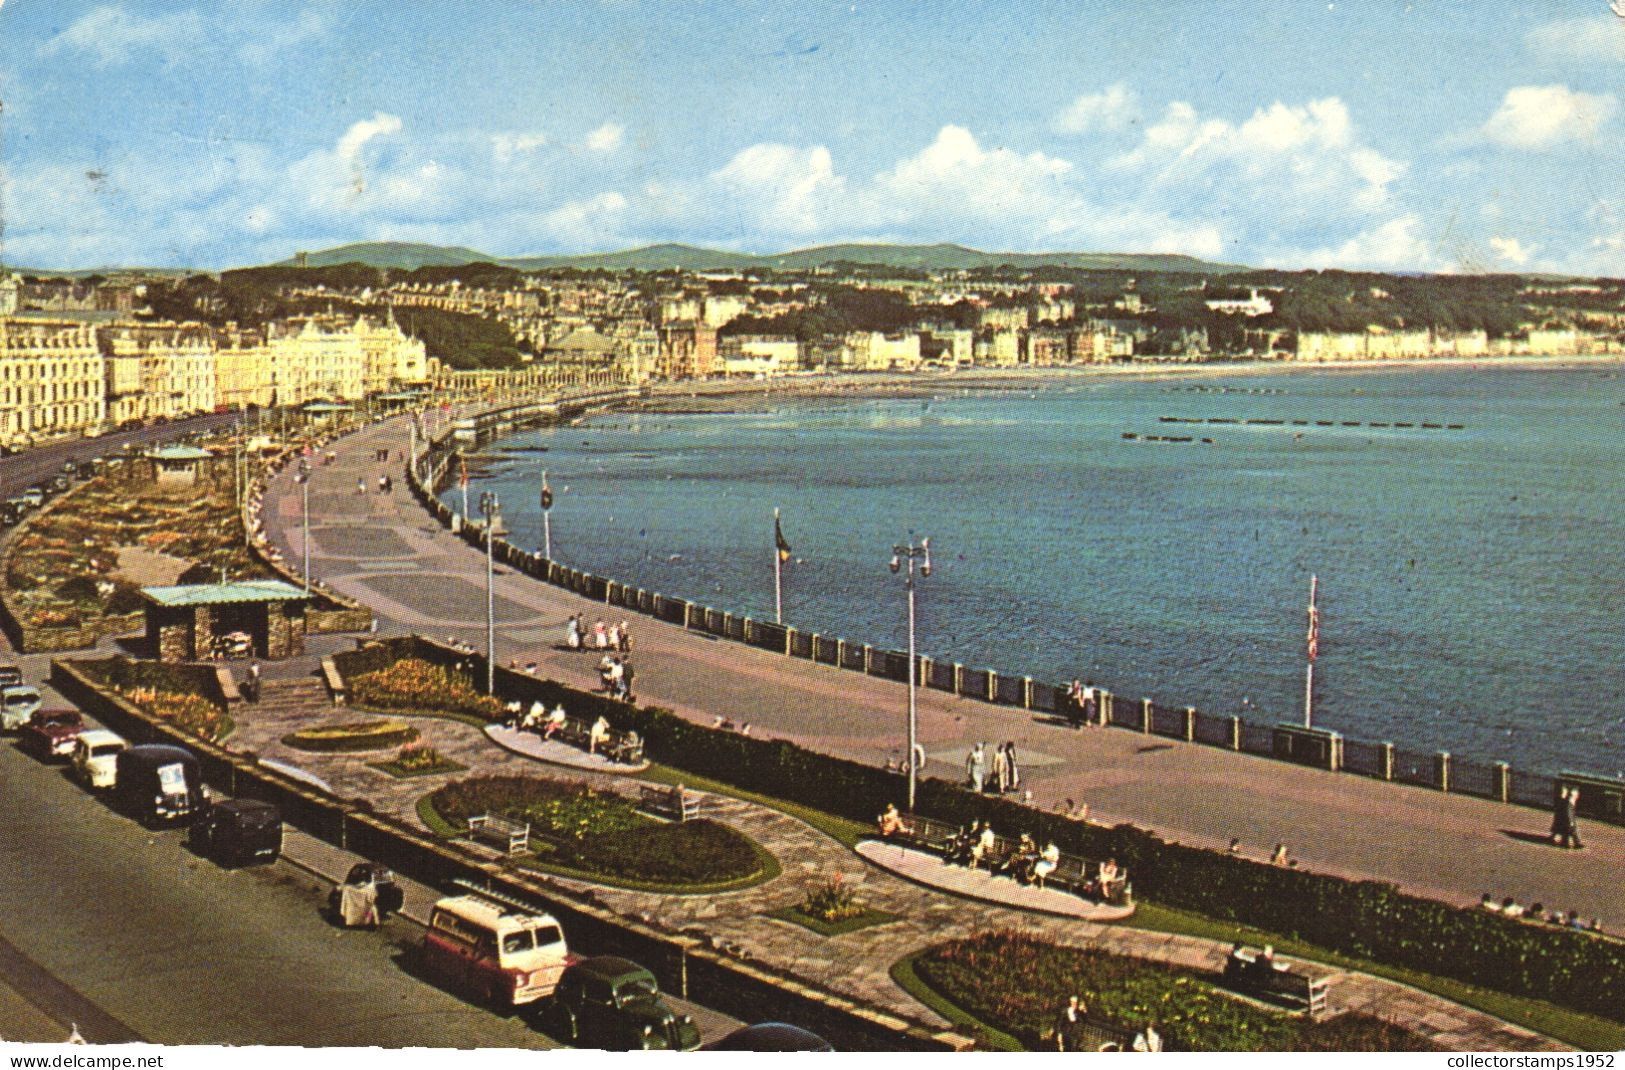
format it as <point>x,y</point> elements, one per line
<point>157,783</point>
<point>11,513</point>
<point>771,1036</point>
<point>57,483</point>
<point>364,877</point>
<point>238,832</point>
<point>613,1003</point>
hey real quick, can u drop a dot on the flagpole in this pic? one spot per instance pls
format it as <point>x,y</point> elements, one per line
<point>1314,643</point>
<point>778,573</point>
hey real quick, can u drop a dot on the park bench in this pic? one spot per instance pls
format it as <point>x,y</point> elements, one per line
<point>673,803</point>
<point>512,836</point>
<point>1073,874</point>
<point>1249,972</point>
<point>624,748</point>
<point>334,681</point>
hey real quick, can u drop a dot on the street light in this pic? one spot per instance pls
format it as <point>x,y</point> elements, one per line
<point>911,553</point>
<point>303,479</point>
<point>491,509</point>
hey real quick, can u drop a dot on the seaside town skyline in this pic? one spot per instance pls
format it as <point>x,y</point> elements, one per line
<point>1241,133</point>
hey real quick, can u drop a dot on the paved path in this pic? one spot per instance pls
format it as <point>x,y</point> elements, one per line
<point>856,964</point>
<point>387,552</point>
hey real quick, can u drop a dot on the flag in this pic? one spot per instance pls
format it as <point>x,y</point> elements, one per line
<point>1314,631</point>
<point>547,495</point>
<point>778,539</point>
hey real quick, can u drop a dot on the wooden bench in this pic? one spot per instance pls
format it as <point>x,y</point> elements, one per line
<point>512,836</point>
<point>674,803</point>
<point>1072,874</point>
<point>625,748</point>
<point>1247,971</point>
<point>334,680</point>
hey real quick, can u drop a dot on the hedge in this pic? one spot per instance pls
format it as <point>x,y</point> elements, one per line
<point>1368,919</point>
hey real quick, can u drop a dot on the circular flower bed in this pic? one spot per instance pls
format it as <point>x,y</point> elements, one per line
<point>1018,983</point>
<point>579,827</point>
<point>355,736</point>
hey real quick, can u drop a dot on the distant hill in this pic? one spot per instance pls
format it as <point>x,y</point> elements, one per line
<point>940,257</point>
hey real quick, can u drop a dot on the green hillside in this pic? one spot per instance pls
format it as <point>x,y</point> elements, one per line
<point>392,254</point>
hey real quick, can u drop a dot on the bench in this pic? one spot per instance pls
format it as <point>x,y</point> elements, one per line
<point>334,681</point>
<point>1072,874</point>
<point>624,748</point>
<point>1249,972</point>
<point>673,803</point>
<point>512,836</point>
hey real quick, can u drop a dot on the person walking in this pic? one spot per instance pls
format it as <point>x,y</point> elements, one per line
<point>572,633</point>
<point>1001,769</point>
<point>361,485</point>
<point>626,637</point>
<point>1010,761</point>
<point>1571,829</point>
<point>253,682</point>
<point>976,768</point>
<point>626,680</point>
<point>1069,1025</point>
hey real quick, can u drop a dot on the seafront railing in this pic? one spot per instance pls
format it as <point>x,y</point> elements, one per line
<point>1601,798</point>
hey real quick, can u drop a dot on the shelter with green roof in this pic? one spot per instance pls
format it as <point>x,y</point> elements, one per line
<point>179,466</point>
<point>189,622</point>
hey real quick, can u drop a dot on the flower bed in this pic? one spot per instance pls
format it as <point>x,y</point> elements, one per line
<point>1017,983</point>
<point>189,712</point>
<point>418,759</point>
<point>353,736</point>
<point>413,684</point>
<point>578,827</point>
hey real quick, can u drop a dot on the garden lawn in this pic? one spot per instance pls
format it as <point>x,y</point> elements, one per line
<point>582,831</point>
<point>1017,984</point>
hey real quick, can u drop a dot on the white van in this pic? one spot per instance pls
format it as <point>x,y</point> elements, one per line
<point>17,704</point>
<point>95,757</point>
<point>495,951</point>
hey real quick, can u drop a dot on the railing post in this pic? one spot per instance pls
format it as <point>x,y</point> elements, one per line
<point>868,659</point>
<point>1104,706</point>
<point>748,632</point>
<point>789,642</point>
<point>1385,760</point>
<point>1441,770</point>
<point>840,653</point>
<point>1503,781</point>
<point>1145,716</point>
<point>924,670</point>
<point>1027,692</point>
<point>1190,724</point>
<point>992,686</point>
<point>959,679</point>
<point>1235,733</point>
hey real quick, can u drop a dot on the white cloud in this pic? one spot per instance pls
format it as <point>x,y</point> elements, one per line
<point>1115,108</point>
<point>115,36</point>
<point>267,44</point>
<point>606,138</point>
<point>1538,117</point>
<point>1395,245</point>
<point>782,186</point>
<point>1588,40</point>
<point>506,147</point>
<point>1511,250</point>
<point>956,174</point>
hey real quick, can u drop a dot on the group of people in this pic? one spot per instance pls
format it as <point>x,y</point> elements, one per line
<point>1070,1034</point>
<point>1025,862</point>
<point>1004,774</point>
<point>1511,908</point>
<point>616,672</point>
<point>1565,831</point>
<point>548,724</point>
<point>1082,703</point>
<point>609,638</point>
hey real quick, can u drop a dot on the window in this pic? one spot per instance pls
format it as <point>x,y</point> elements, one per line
<point>515,942</point>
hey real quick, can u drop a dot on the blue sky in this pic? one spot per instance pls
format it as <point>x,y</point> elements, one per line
<point>1417,136</point>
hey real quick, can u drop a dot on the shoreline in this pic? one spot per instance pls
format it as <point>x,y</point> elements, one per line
<point>711,396</point>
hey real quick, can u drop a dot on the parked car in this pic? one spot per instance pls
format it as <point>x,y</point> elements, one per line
<point>502,955</point>
<point>57,484</point>
<point>238,832</point>
<point>51,733</point>
<point>368,895</point>
<point>17,704</point>
<point>11,512</point>
<point>134,423</point>
<point>610,1002</point>
<point>95,757</point>
<point>11,675</point>
<point>771,1036</point>
<point>157,783</point>
<point>34,496</point>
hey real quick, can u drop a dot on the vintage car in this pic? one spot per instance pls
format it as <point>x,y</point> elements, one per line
<point>489,948</point>
<point>238,832</point>
<point>51,733</point>
<point>11,676</point>
<point>368,895</point>
<point>11,512</point>
<point>34,496</point>
<point>18,703</point>
<point>95,757</point>
<point>771,1036</point>
<point>157,784</point>
<point>613,1003</point>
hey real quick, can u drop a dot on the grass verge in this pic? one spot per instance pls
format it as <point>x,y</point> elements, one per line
<point>840,829</point>
<point>1583,1031</point>
<point>768,867</point>
<point>869,917</point>
<point>902,971</point>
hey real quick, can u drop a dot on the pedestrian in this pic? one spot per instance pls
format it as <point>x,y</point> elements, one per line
<point>383,484</point>
<point>1571,828</point>
<point>361,485</point>
<point>1069,1025</point>
<point>253,682</point>
<point>626,680</point>
<point>1149,1039</point>
<point>614,637</point>
<point>1074,704</point>
<point>600,635</point>
<point>1001,770</point>
<point>976,767</point>
<point>572,633</point>
<point>626,638</point>
<point>1010,760</point>
<point>1090,708</point>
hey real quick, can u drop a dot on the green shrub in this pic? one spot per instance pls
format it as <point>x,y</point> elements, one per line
<point>1018,983</point>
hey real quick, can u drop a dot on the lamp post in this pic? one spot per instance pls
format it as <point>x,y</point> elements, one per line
<point>490,508</point>
<point>304,515</point>
<point>900,554</point>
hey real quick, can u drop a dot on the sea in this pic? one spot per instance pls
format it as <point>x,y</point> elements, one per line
<point>1464,527</point>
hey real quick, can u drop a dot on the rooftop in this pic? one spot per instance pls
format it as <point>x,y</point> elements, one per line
<point>214,594</point>
<point>178,453</point>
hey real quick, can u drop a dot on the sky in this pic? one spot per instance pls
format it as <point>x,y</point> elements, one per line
<point>1422,136</point>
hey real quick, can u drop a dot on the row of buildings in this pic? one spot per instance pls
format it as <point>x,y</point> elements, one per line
<point>72,373</point>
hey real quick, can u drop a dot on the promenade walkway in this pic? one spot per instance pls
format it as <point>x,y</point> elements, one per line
<point>385,551</point>
<point>855,964</point>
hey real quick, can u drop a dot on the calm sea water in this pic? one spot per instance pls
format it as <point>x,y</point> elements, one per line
<point>1470,587</point>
